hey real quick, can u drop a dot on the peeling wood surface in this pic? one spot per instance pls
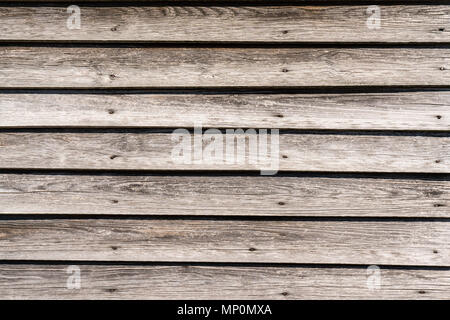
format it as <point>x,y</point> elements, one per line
<point>158,151</point>
<point>350,111</point>
<point>398,24</point>
<point>122,67</point>
<point>318,242</point>
<point>223,196</point>
<point>218,282</point>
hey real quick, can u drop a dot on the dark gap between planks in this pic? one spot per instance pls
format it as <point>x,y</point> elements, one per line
<point>229,90</point>
<point>213,264</point>
<point>220,44</point>
<point>169,130</point>
<point>232,173</point>
<point>13,217</point>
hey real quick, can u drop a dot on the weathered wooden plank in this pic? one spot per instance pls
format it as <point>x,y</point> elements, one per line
<point>398,24</point>
<point>160,151</point>
<point>223,195</point>
<point>373,111</point>
<point>122,67</point>
<point>223,282</point>
<point>343,242</point>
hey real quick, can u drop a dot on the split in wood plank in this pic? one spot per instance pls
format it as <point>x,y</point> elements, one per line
<point>223,196</point>
<point>166,151</point>
<point>398,24</point>
<point>372,111</point>
<point>144,67</point>
<point>219,282</point>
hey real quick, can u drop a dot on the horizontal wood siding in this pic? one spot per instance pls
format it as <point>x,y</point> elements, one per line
<point>122,67</point>
<point>155,151</point>
<point>399,24</point>
<point>91,175</point>
<point>218,282</point>
<point>343,242</point>
<point>350,111</point>
<point>224,195</point>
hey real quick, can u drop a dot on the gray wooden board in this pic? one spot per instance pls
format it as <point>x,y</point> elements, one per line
<point>122,67</point>
<point>310,242</point>
<point>161,151</point>
<point>398,24</point>
<point>219,282</point>
<point>373,111</point>
<point>223,196</point>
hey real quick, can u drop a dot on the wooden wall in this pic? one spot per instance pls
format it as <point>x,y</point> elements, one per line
<point>86,180</point>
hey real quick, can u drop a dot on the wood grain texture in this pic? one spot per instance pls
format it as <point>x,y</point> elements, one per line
<point>122,67</point>
<point>221,283</point>
<point>373,111</point>
<point>159,151</point>
<point>399,24</point>
<point>315,242</point>
<point>223,196</point>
